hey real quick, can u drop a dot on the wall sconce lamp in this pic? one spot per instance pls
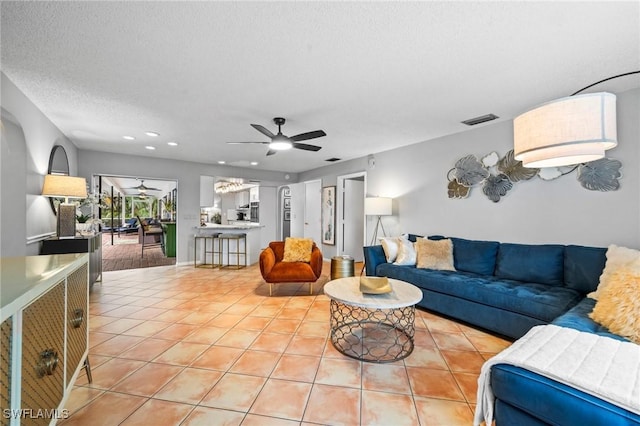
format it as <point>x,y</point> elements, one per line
<point>567,131</point>
<point>66,187</point>
<point>378,206</point>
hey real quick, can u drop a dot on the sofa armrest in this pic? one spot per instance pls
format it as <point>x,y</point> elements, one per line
<point>373,256</point>
<point>316,261</point>
<point>267,261</point>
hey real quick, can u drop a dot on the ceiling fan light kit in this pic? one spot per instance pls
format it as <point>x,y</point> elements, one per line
<point>280,142</point>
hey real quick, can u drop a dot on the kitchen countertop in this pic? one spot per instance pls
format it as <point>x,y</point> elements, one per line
<point>239,226</point>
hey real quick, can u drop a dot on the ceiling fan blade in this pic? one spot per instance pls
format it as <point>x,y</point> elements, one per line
<point>308,135</point>
<point>271,152</point>
<point>239,143</point>
<point>263,130</point>
<point>307,147</point>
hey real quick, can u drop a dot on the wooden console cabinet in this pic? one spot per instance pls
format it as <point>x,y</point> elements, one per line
<point>44,309</point>
<point>91,244</point>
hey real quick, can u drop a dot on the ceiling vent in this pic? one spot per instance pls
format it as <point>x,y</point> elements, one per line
<point>332,159</point>
<point>481,119</point>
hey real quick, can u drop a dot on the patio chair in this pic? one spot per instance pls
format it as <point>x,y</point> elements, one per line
<point>150,235</point>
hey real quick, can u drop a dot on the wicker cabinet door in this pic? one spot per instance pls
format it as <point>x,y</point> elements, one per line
<point>77,315</point>
<point>43,355</point>
<point>5,368</point>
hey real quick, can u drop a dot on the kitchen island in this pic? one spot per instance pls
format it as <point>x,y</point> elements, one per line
<point>252,230</point>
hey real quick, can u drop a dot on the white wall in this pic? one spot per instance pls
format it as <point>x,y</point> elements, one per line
<point>28,167</point>
<point>535,211</point>
<point>187,174</point>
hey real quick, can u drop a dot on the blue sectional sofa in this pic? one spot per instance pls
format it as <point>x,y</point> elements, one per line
<point>508,289</point>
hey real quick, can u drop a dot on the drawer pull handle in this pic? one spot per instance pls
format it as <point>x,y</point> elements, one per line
<point>78,316</point>
<point>47,363</point>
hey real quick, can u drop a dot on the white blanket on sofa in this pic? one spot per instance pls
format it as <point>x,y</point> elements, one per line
<point>600,366</point>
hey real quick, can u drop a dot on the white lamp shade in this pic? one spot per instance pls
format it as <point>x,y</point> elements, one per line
<point>378,206</point>
<point>566,131</point>
<point>64,186</point>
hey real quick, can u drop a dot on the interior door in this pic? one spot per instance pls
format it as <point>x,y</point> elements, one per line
<point>312,211</point>
<point>353,218</point>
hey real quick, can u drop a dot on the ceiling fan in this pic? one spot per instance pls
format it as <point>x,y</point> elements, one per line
<point>142,188</point>
<point>281,142</point>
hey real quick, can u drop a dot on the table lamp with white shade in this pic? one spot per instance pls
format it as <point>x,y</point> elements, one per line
<point>378,206</point>
<point>62,186</point>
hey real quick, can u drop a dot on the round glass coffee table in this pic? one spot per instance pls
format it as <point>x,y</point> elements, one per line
<point>372,327</point>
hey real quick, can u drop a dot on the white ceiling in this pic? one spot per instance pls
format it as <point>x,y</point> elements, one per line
<point>372,75</point>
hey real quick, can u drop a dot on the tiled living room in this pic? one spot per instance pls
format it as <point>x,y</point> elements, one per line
<point>197,346</point>
<point>477,161</point>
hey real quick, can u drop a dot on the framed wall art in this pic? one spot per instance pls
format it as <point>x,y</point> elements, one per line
<point>287,203</point>
<point>287,215</point>
<point>287,192</point>
<point>329,215</point>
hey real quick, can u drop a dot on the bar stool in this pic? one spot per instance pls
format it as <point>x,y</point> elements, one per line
<point>212,252</point>
<point>237,237</point>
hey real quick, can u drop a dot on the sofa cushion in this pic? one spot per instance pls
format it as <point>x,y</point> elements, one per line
<point>434,254</point>
<point>406,252</point>
<point>583,266</point>
<point>578,318</point>
<point>297,249</point>
<point>543,264</point>
<point>390,247</point>
<point>543,302</point>
<point>618,307</point>
<point>475,256</point>
<point>617,258</point>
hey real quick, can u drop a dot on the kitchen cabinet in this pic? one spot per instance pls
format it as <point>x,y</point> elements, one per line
<point>44,307</point>
<point>254,194</point>
<point>242,198</point>
<point>206,191</point>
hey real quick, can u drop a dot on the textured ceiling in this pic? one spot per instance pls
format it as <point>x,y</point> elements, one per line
<point>372,75</point>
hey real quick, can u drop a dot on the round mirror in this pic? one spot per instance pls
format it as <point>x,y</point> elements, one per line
<point>58,165</point>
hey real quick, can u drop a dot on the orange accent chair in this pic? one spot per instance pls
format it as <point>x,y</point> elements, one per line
<point>275,271</point>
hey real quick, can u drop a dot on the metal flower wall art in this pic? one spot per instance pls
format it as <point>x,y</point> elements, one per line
<point>497,175</point>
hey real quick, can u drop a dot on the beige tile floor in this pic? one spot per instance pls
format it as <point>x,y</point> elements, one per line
<point>183,346</point>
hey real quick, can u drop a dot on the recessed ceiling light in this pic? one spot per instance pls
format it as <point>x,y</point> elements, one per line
<point>150,147</point>
<point>222,162</point>
<point>172,143</point>
<point>153,134</point>
<point>129,138</point>
<point>254,163</point>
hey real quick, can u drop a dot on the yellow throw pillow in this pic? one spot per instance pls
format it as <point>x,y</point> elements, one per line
<point>297,249</point>
<point>617,258</point>
<point>618,306</point>
<point>434,254</point>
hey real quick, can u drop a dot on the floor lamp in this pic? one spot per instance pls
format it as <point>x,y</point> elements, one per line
<point>378,206</point>
<point>67,187</point>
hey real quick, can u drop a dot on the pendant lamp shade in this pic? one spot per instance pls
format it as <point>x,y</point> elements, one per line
<point>566,131</point>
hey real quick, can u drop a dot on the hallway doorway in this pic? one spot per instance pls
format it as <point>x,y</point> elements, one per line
<point>350,215</point>
<point>125,201</point>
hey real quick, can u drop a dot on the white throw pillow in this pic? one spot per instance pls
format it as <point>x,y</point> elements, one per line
<point>406,252</point>
<point>390,247</point>
<point>618,258</point>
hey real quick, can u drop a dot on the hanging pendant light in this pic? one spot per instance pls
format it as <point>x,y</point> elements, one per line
<point>567,131</point>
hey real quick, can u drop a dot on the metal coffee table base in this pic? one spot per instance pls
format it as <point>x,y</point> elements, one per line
<point>374,335</point>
